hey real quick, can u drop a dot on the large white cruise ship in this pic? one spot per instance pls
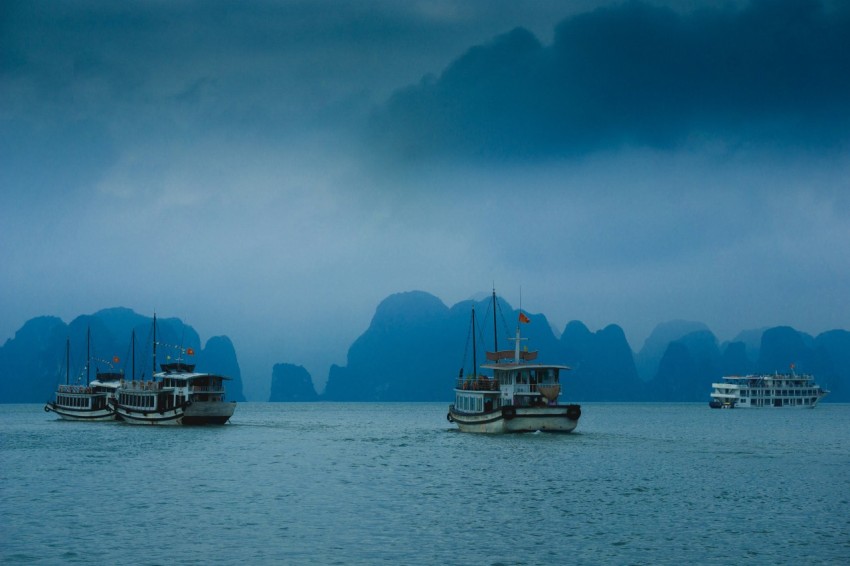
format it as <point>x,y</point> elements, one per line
<point>767,390</point>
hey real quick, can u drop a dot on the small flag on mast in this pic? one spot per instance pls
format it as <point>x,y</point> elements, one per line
<point>523,318</point>
<point>190,351</point>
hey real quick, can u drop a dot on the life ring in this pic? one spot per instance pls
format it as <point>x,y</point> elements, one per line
<point>449,417</point>
<point>508,412</point>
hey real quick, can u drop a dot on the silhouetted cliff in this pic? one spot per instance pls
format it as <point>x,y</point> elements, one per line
<point>33,363</point>
<point>415,348</point>
<point>688,368</point>
<point>402,356</point>
<point>412,352</point>
<point>649,357</point>
<point>602,362</point>
<point>291,383</point>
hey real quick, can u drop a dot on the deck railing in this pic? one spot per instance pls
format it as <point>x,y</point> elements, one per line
<point>207,389</point>
<point>141,385</point>
<point>480,384</point>
<point>74,389</point>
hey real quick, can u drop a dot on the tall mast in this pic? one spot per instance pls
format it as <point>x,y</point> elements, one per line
<point>88,353</point>
<point>67,361</point>
<point>474,356</point>
<point>153,373</point>
<point>495,334</point>
<point>133,355</point>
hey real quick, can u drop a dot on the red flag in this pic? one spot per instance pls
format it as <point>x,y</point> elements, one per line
<point>523,318</point>
<point>115,359</point>
<point>190,351</point>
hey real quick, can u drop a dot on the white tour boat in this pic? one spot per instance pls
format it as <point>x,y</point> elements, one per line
<point>89,402</point>
<point>520,396</point>
<point>175,396</point>
<point>767,390</point>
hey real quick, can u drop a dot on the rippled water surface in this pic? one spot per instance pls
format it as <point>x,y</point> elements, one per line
<point>395,483</point>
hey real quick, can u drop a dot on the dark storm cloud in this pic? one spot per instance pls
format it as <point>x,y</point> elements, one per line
<point>773,74</point>
<point>83,83</point>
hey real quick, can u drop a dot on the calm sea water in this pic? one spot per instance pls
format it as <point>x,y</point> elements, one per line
<point>395,483</point>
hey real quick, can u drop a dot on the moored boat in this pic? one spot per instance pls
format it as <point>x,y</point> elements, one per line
<point>89,401</point>
<point>177,395</point>
<point>778,390</point>
<point>519,396</point>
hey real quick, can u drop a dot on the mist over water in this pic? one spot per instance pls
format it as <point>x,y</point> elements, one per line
<point>330,483</point>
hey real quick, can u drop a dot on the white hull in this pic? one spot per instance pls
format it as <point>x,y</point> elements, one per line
<point>789,407</point>
<point>70,414</point>
<point>198,413</point>
<point>520,419</point>
<point>130,416</point>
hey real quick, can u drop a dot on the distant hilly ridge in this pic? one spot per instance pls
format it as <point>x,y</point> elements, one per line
<point>33,362</point>
<point>415,347</point>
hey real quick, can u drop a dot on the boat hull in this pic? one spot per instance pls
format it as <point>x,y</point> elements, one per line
<point>70,414</point>
<point>197,413</point>
<point>201,412</point>
<point>557,418</point>
<point>768,407</point>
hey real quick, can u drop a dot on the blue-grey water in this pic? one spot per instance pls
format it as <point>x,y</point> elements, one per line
<point>331,483</point>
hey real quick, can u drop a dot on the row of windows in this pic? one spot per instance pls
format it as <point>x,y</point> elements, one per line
<point>784,402</point>
<point>469,404</point>
<point>137,400</point>
<point>65,401</point>
<point>547,375</point>
<point>776,393</point>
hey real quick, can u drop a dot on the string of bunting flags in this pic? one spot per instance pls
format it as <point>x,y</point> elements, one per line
<point>187,351</point>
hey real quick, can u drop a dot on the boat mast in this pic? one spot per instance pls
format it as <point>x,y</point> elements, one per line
<point>153,373</point>
<point>495,334</point>
<point>133,355</point>
<point>88,353</point>
<point>67,361</point>
<point>474,356</point>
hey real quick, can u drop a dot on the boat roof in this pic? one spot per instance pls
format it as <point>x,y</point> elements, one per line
<point>515,366</point>
<point>109,376</point>
<point>770,376</point>
<point>188,376</point>
<point>182,370</point>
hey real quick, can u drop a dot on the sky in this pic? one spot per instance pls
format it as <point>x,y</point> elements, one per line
<point>271,170</point>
